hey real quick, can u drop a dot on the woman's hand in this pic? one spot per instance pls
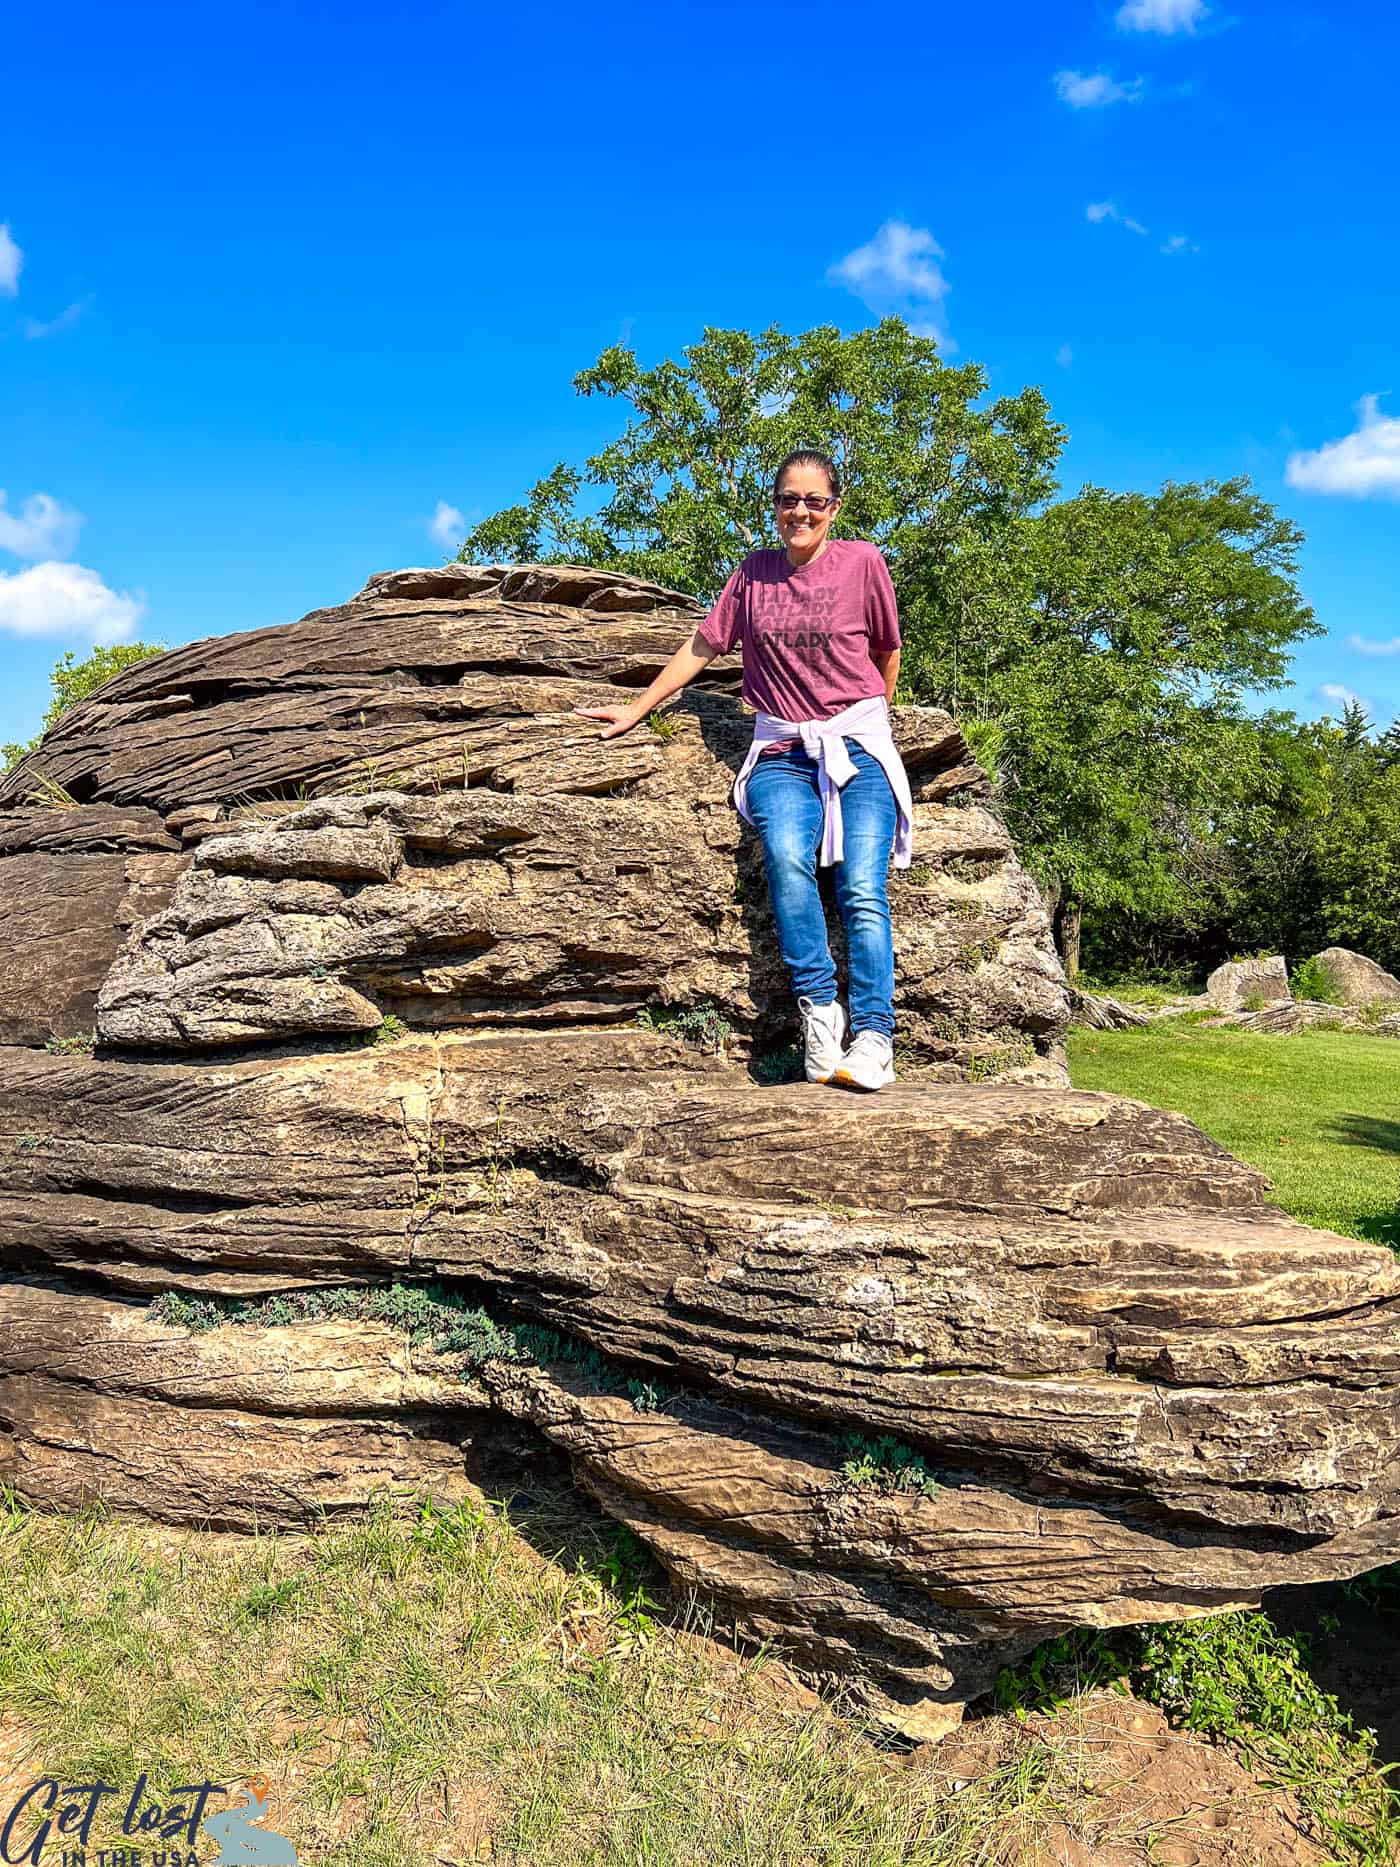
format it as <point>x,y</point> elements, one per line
<point>622,719</point>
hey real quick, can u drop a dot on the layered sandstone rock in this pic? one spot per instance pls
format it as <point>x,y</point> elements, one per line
<point>1143,1393</point>
<point>458,686</point>
<point>1128,1388</point>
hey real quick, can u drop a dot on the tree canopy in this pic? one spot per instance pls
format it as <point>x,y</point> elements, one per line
<point>926,468</point>
<point>1105,644</point>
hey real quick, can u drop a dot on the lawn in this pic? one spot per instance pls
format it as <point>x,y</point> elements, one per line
<point>1319,1112</point>
<point>471,1684</point>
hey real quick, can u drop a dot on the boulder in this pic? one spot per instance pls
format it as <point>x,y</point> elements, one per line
<point>1139,1391</point>
<point>903,1382</point>
<point>1248,984</point>
<point>1097,1011</point>
<point>1356,980</point>
<point>452,691</point>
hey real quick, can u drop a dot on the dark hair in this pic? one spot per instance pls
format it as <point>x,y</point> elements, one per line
<point>810,457</point>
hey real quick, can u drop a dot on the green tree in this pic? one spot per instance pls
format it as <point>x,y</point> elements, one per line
<point>1128,631</point>
<point>928,473</point>
<point>1305,854</point>
<point>1103,644</point>
<point>73,680</point>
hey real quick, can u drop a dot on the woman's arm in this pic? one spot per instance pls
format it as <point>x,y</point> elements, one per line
<point>688,661</point>
<point>887,661</point>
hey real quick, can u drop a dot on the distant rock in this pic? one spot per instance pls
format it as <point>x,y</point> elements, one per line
<point>1238,980</point>
<point>1354,979</point>
<point>1097,1011</point>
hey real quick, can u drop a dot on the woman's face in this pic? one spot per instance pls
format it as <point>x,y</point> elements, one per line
<point>800,526</point>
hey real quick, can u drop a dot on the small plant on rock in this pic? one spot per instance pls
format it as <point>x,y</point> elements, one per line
<point>885,1464</point>
<point>705,1025</point>
<point>80,1044</point>
<point>779,1066</point>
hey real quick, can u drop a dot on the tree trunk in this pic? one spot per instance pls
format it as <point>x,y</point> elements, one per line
<point>1067,922</point>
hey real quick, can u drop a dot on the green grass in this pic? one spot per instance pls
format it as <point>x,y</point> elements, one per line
<point>1147,992</point>
<point>465,1685</point>
<point>1319,1112</point>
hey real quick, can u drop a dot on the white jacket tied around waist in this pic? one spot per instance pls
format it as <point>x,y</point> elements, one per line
<point>868,723</point>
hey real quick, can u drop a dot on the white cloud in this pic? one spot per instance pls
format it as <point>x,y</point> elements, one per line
<point>66,599</point>
<point>1363,646</point>
<point>1179,243</point>
<point>38,327</point>
<point>899,265</point>
<point>1100,211</point>
<point>1083,90</point>
<point>1361,464</point>
<point>447,526</point>
<point>1064,356</point>
<point>1166,16</point>
<point>11,260</point>
<point>1339,696</point>
<point>42,528</point>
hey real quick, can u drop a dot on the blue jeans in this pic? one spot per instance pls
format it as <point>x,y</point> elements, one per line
<point>785,803</point>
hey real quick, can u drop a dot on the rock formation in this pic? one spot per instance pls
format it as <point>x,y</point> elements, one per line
<point>457,685</point>
<point>906,1381</point>
<point>1248,984</point>
<point>1356,980</point>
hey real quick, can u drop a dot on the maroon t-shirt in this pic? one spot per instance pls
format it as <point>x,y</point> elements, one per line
<point>807,631</point>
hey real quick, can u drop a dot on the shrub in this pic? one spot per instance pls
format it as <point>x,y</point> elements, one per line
<point>1312,980</point>
<point>1234,1678</point>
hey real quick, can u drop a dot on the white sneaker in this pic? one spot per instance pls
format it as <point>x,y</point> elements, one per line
<point>868,1064</point>
<point>823,1030</point>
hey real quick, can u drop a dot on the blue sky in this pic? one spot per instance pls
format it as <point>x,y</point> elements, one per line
<point>278,282</point>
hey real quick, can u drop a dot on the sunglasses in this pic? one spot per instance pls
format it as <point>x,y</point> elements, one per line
<point>789,502</point>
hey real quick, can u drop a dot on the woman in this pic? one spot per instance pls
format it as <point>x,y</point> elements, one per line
<point>822,782</point>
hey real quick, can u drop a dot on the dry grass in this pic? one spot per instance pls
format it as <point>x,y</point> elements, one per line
<point>446,1687</point>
